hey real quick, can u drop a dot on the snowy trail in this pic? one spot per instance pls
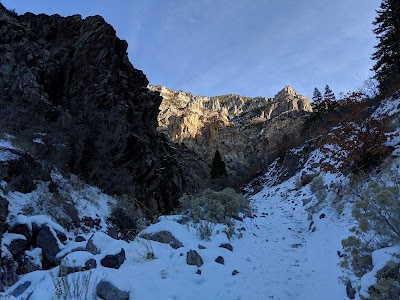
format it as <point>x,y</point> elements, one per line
<point>283,259</point>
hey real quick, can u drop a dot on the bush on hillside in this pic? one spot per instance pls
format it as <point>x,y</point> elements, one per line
<point>361,146</point>
<point>378,215</point>
<point>213,206</point>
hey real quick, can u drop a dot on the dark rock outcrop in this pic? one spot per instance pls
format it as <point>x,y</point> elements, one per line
<point>17,246</point>
<point>3,209</point>
<point>47,240</point>
<point>70,80</point>
<point>22,229</point>
<point>114,260</point>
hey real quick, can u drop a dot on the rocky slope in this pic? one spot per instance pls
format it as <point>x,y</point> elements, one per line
<point>245,130</point>
<point>67,84</point>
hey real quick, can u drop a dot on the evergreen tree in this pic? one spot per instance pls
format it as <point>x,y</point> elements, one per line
<point>329,95</point>
<point>317,96</point>
<point>387,55</point>
<point>218,166</point>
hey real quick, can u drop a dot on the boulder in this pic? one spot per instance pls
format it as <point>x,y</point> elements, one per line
<point>3,209</point>
<point>100,242</point>
<point>79,238</point>
<point>17,245</point>
<point>20,289</point>
<point>226,246</point>
<point>164,237</point>
<point>77,262</point>
<point>107,291</point>
<point>114,260</point>
<point>194,259</point>
<point>48,241</point>
<point>351,292</point>
<point>220,260</point>
<point>23,229</point>
<point>30,261</point>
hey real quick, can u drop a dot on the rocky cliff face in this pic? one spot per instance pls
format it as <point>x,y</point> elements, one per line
<point>68,83</point>
<point>247,131</point>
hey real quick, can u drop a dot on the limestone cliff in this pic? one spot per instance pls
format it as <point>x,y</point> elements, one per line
<point>247,131</point>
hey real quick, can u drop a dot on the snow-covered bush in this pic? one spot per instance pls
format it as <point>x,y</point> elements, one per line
<point>318,188</point>
<point>218,207</point>
<point>387,285</point>
<point>378,215</point>
<point>379,212</point>
<point>210,207</point>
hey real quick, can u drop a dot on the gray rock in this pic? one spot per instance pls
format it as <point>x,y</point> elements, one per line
<point>20,289</point>
<point>21,229</point>
<point>79,239</point>
<point>3,209</point>
<point>114,260</point>
<point>235,272</point>
<point>226,246</point>
<point>89,264</point>
<point>194,259</point>
<point>48,241</point>
<point>164,237</point>
<point>27,264</point>
<point>201,247</point>
<point>107,291</point>
<point>17,247</point>
<point>351,292</point>
<point>220,260</point>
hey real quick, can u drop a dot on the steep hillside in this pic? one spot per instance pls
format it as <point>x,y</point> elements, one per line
<point>68,83</point>
<point>248,132</point>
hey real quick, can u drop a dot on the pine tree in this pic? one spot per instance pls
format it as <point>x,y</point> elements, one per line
<point>317,96</point>
<point>218,166</point>
<point>387,55</point>
<point>329,95</point>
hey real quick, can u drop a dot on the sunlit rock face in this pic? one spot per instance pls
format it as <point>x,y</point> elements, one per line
<point>245,130</point>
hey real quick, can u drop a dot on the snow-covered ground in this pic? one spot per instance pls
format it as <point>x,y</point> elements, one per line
<point>280,257</point>
<point>281,252</point>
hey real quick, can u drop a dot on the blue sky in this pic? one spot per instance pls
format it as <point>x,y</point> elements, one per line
<point>247,47</point>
